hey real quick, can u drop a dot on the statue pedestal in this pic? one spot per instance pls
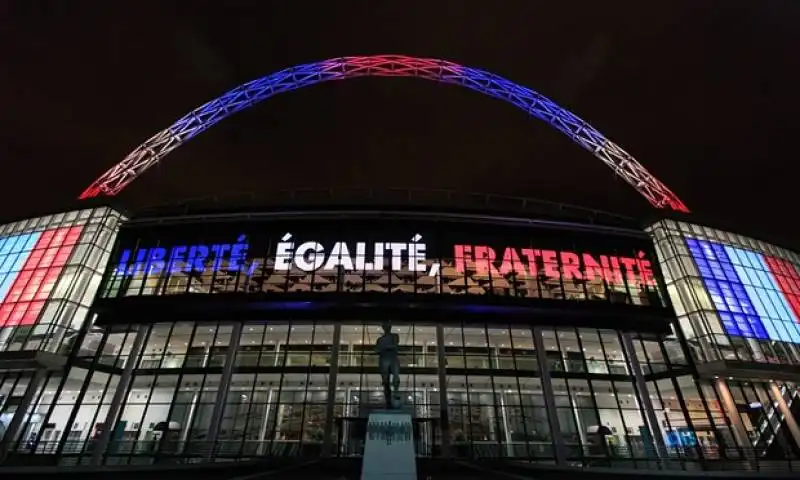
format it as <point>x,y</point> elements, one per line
<point>389,448</point>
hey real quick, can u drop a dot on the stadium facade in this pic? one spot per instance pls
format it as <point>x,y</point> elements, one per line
<point>567,340</point>
<point>244,335</point>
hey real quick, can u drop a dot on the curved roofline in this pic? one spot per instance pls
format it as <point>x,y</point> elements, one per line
<point>391,198</point>
<point>379,214</point>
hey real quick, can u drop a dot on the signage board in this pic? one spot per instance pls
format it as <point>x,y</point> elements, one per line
<point>361,255</point>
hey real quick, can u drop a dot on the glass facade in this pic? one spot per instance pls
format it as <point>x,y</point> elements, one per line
<point>736,298</point>
<point>736,301</point>
<point>183,390</point>
<point>291,391</point>
<point>50,270</point>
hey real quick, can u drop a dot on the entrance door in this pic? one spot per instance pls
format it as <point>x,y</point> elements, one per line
<point>352,434</point>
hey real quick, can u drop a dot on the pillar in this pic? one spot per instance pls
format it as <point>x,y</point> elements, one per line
<point>224,386</point>
<point>119,396</point>
<point>444,419</point>
<point>644,395</point>
<point>330,407</point>
<point>783,407</point>
<point>11,436</point>
<point>559,447</point>
<point>732,414</point>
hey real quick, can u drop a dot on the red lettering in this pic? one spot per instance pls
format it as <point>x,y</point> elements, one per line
<point>611,270</point>
<point>645,270</point>
<point>550,265</point>
<point>630,273</point>
<point>484,261</point>
<point>511,263</point>
<point>530,255</point>
<point>461,264</point>
<point>571,263</point>
<point>593,268</point>
<point>523,262</point>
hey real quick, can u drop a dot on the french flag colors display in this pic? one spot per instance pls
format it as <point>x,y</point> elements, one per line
<point>756,295</point>
<point>30,265</point>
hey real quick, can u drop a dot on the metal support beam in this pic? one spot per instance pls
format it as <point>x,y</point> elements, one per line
<point>14,429</point>
<point>559,447</point>
<point>644,395</point>
<point>119,396</point>
<point>441,363</point>
<point>783,407</point>
<point>327,442</point>
<point>224,386</point>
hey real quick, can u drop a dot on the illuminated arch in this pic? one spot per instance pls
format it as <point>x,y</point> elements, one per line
<point>158,146</point>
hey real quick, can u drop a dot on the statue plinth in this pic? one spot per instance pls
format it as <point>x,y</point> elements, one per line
<point>389,449</point>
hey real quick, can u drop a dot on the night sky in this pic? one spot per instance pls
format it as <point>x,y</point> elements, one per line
<point>704,94</point>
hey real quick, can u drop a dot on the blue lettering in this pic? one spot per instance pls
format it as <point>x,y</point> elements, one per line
<point>193,259</point>
<point>238,254</point>
<point>124,258</point>
<point>196,258</point>
<point>176,255</point>
<point>252,268</point>
<point>141,261</point>
<point>155,262</point>
<point>219,254</point>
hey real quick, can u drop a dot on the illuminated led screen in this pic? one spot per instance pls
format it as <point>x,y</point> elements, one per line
<point>756,295</point>
<point>30,265</point>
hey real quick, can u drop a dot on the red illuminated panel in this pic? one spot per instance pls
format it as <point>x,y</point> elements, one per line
<point>38,276</point>
<point>788,281</point>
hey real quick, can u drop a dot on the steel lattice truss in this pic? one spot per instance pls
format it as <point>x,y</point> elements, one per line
<point>248,94</point>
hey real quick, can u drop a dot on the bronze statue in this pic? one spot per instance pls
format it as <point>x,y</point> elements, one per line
<point>389,364</point>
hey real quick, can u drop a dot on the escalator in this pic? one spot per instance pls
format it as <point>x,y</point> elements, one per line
<point>771,437</point>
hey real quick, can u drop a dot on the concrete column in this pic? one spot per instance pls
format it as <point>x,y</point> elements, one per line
<point>732,413</point>
<point>559,447</point>
<point>119,396</point>
<point>644,395</point>
<point>224,386</point>
<point>783,407</point>
<point>330,406</point>
<point>11,436</point>
<point>444,419</point>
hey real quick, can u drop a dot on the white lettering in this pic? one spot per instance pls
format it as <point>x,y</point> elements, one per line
<point>340,256</point>
<point>361,258</point>
<point>416,254</point>
<point>283,256</point>
<point>379,264</point>
<point>312,256</point>
<point>309,256</point>
<point>397,255</point>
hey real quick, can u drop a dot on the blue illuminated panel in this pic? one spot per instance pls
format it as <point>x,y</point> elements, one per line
<point>746,265</point>
<point>771,295</point>
<point>14,250</point>
<point>736,310</point>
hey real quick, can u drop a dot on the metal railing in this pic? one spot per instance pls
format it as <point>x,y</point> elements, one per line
<point>578,456</point>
